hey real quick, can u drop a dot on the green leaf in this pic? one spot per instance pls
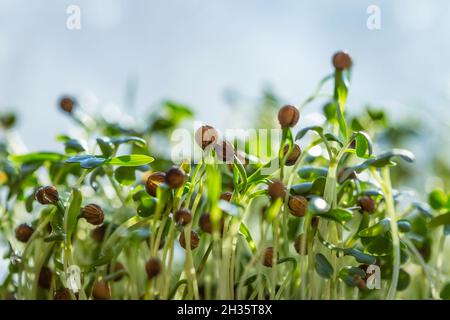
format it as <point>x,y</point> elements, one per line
<point>134,160</point>
<point>136,140</point>
<point>244,230</point>
<point>445,292</point>
<point>377,229</point>
<point>304,131</point>
<point>361,257</point>
<point>73,211</point>
<point>106,145</point>
<point>38,156</point>
<point>404,225</point>
<point>339,215</point>
<point>348,275</point>
<point>125,175</point>
<point>323,267</point>
<point>308,172</point>
<point>385,158</point>
<point>378,246</point>
<point>74,146</point>
<point>363,144</point>
<point>443,219</point>
<point>146,205</point>
<point>437,199</point>
<point>333,138</point>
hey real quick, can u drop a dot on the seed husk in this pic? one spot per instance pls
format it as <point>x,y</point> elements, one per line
<point>367,204</point>
<point>24,232</point>
<point>288,116</point>
<point>175,177</point>
<point>67,104</point>
<point>276,190</point>
<point>298,245</point>
<point>298,206</point>
<point>206,224</point>
<point>183,217</point>
<point>206,136</point>
<point>342,60</point>
<point>153,267</point>
<point>268,257</point>
<point>153,182</point>
<point>224,151</point>
<point>93,214</point>
<point>293,155</point>
<point>226,196</point>
<point>47,195</point>
<point>195,240</point>
<point>45,278</point>
<point>101,290</point>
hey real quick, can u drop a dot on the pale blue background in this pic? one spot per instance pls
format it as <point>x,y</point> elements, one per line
<point>193,50</point>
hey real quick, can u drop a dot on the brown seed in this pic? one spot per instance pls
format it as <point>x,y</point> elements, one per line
<point>268,257</point>
<point>298,206</point>
<point>206,224</point>
<point>367,204</point>
<point>276,190</point>
<point>153,182</point>
<point>226,196</point>
<point>288,116</point>
<point>62,294</point>
<point>205,136</point>
<point>224,151</point>
<point>183,217</point>
<point>45,278</point>
<point>342,60</point>
<point>47,195</point>
<point>195,239</point>
<point>24,232</point>
<point>153,267</point>
<point>298,245</point>
<point>98,234</point>
<point>101,291</point>
<point>120,269</point>
<point>293,156</point>
<point>67,104</point>
<point>93,214</point>
<point>175,177</point>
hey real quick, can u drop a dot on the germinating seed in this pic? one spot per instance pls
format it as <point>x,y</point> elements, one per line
<point>183,217</point>
<point>276,190</point>
<point>101,290</point>
<point>367,204</point>
<point>298,206</point>
<point>93,214</point>
<point>24,232</point>
<point>175,177</point>
<point>206,136</point>
<point>47,195</point>
<point>153,267</point>
<point>288,116</point>
<point>293,155</point>
<point>195,240</point>
<point>153,182</point>
<point>342,60</point>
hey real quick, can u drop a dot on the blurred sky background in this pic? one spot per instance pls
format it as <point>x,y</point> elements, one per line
<point>195,50</point>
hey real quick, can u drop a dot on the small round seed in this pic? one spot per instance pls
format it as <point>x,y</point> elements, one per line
<point>67,104</point>
<point>45,278</point>
<point>367,204</point>
<point>288,116</point>
<point>298,206</point>
<point>47,195</point>
<point>226,196</point>
<point>153,267</point>
<point>24,232</point>
<point>183,217</point>
<point>101,290</point>
<point>276,190</point>
<point>153,182</point>
<point>293,155</point>
<point>268,257</point>
<point>175,177</point>
<point>342,60</point>
<point>93,214</point>
<point>195,240</point>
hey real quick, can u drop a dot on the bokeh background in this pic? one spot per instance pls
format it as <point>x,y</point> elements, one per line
<point>206,53</point>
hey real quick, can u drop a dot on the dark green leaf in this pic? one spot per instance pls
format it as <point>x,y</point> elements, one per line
<point>443,219</point>
<point>377,229</point>
<point>323,267</point>
<point>106,145</point>
<point>303,132</point>
<point>125,175</point>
